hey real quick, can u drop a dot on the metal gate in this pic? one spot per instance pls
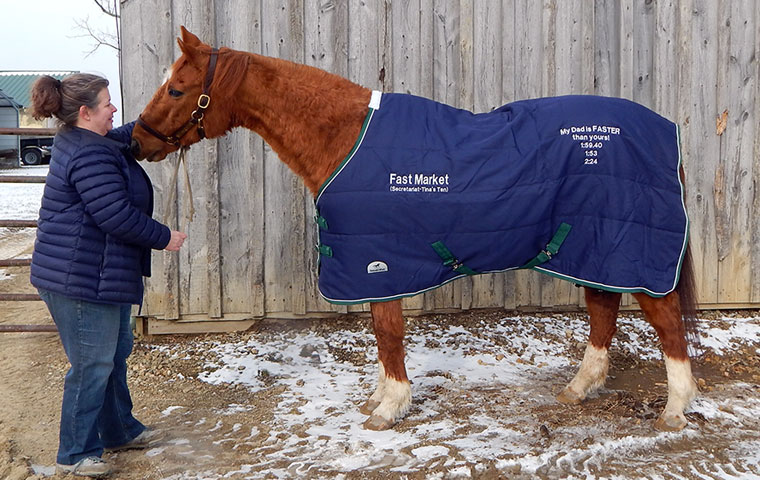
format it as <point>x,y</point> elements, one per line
<point>21,297</point>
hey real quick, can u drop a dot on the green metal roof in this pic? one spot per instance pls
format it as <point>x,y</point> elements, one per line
<point>7,101</point>
<point>16,84</point>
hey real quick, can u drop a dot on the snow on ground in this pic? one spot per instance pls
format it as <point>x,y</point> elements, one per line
<point>21,201</point>
<point>322,393</point>
<point>317,425</point>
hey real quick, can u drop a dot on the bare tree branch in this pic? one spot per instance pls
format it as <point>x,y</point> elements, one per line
<point>101,38</point>
<point>107,8</point>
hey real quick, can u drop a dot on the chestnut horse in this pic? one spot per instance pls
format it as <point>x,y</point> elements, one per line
<point>312,119</point>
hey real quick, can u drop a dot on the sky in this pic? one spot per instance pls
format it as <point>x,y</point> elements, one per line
<point>43,35</point>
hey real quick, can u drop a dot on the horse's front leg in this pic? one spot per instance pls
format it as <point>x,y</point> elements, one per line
<point>393,396</point>
<point>602,308</point>
<point>664,314</point>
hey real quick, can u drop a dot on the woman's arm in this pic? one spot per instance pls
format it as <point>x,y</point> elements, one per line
<point>97,176</point>
<point>122,134</point>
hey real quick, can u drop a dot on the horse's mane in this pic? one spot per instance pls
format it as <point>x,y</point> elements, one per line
<point>231,70</point>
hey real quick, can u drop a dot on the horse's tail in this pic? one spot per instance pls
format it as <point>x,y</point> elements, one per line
<point>687,294</point>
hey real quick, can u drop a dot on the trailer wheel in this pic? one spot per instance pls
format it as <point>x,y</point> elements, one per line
<point>31,156</point>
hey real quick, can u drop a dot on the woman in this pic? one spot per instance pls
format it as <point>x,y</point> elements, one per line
<point>94,238</point>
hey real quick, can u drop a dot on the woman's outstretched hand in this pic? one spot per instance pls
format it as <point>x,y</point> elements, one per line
<point>178,238</point>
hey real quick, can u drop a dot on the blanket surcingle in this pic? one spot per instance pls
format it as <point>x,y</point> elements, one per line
<point>583,188</point>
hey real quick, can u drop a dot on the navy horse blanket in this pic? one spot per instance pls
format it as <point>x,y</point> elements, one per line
<point>582,188</point>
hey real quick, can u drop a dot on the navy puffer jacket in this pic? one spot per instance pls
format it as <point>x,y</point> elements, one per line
<point>95,230</point>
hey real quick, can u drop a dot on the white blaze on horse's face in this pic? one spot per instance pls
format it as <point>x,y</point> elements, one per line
<point>167,76</point>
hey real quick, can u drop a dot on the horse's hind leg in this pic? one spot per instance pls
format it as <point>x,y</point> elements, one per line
<point>602,308</point>
<point>664,314</point>
<point>393,396</point>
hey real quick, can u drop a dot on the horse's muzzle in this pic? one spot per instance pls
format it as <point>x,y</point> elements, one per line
<point>135,148</point>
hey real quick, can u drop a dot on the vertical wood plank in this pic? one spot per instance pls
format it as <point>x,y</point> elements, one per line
<point>408,70</point>
<point>466,99</point>
<point>626,49</point>
<point>534,54</point>
<point>755,213</point>
<point>665,64</point>
<point>702,148</point>
<point>607,46</point>
<point>488,290</point>
<point>241,165</point>
<point>643,37</point>
<point>733,189</point>
<point>198,17</point>
<point>146,54</point>
<point>511,66</point>
<point>326,47</point>
<point>445,81</point>
<point>366,43</point>
<point>284,193</point>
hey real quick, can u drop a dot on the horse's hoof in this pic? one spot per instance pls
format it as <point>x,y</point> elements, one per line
<point>569,397</point>
<point>369,407</point>
<point>377,423</point>
<point>670,423</point>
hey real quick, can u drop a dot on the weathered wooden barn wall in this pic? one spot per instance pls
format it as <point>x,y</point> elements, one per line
<point>250,252</point>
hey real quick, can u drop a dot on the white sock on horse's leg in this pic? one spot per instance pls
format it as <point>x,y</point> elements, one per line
<point>590,376</point>
<point>681,390</point>
<point>377,397</point>
<point>397,397</point>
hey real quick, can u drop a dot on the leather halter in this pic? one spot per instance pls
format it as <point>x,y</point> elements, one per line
<point>196,118</point>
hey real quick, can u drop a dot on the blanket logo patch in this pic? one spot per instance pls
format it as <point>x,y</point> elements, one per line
<point>377,267</point>
<point>419,182</point>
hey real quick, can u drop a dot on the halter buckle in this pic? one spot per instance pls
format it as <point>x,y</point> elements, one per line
<point>203,101</point>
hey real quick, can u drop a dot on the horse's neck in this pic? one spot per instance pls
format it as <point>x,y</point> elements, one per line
<point>311,118</point>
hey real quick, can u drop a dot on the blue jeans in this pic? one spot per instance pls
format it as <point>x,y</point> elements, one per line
<point>97,407</point>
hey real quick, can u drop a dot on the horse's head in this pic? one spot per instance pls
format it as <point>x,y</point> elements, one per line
<point>192,104</point>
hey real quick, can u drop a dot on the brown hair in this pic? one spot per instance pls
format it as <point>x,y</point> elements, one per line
<point>62,98</point>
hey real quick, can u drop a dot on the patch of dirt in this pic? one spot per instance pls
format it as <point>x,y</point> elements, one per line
<point>213,429</point>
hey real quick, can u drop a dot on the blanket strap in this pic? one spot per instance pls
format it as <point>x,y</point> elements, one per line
<point>325,250</point>
<point>450,260</point>
<point>552,248</point>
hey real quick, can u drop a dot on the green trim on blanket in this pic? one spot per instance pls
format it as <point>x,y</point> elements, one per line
<point>349,156</point>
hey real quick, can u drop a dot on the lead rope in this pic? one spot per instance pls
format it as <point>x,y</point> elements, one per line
<point>189,207</point>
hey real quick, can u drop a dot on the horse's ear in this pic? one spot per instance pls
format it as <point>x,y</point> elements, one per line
<point>188,38</point>
<point>189,44</point>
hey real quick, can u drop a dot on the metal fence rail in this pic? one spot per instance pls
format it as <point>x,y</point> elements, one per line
<point>13,262</point>
<point>21,179</point>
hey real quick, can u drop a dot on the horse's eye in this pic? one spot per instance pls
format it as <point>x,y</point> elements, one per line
<point>175,93</point>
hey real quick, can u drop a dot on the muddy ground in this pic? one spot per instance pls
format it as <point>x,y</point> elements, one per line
<point>233,430</point>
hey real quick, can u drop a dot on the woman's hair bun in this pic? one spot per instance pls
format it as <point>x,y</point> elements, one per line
<point>46,97</point>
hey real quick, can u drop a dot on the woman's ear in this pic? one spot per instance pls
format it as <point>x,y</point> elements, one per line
<point>84,112</point>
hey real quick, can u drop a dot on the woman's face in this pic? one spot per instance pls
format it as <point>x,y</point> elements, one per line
<point>100,118</point>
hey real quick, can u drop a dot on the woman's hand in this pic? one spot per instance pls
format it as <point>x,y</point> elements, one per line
<point>178,238</point>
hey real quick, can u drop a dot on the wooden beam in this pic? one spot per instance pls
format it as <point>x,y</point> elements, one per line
<point>16,262</point>
<point>27,328</point>
<point>21,179</point>
<point>18,223</point>
<point>29,131</point>
<point>19,297</point>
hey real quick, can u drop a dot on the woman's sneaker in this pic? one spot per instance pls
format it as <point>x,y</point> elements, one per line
<point>94,467</point>
<point>147,438</point>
